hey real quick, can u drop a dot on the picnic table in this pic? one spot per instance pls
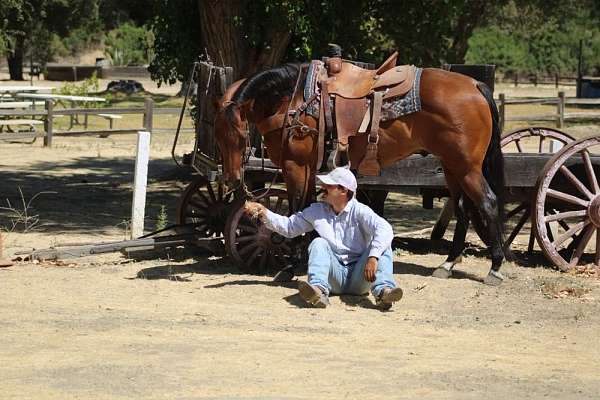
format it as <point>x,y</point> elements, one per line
<point>8,92</point>
<point>17,124</point>
<point>69,98</point>
<point>13,105</point>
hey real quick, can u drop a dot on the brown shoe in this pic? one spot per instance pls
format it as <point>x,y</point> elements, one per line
<point>388,297</point>
<point>313,295</point>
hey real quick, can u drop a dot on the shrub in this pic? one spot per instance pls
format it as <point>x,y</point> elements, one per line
<point>84,88</point>
<point>129,45</point>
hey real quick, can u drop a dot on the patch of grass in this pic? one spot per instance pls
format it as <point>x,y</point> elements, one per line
<point>162,219</point>
<point>23,215</point>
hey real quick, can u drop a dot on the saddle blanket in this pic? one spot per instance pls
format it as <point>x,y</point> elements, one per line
<point>391,108</point>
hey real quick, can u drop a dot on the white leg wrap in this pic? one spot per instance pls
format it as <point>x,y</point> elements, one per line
<point>448,265</point>
<point>497,274</point>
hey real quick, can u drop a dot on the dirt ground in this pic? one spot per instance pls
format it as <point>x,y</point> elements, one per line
<point>190,326</point>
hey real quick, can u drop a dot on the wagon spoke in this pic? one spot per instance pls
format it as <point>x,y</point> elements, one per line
<point>263,261</point>
<point>516,210</point>
<point>203,196</point>
<point>246,227</point>
<point>576,182</point>
<point>587,235</point>
<point>541,144</point>
<point>589,170</point>
<point>197,205</point>
<point>220,192</point>
<point>570,233</point>
<point>531,242</point>
<point>211,193</point>
<point>518,144</point>
<point>246,249</point>
<point>202,228</point>
<point>255,254</point>
<point>565,215</point>
<point>524,218</point>
<point>267,202</point>
<point>567,197</point>
<point>245,238</point>
<point>562,222</point>
<point>195,215</point>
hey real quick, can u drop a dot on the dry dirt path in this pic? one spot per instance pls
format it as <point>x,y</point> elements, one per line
<point>195,328</point>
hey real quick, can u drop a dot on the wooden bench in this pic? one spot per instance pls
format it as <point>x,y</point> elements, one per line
<point>13,105</point>
<point>20,122</point>
<point>110,118</point>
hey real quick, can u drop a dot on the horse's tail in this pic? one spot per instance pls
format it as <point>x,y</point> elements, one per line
<point>493,163</point>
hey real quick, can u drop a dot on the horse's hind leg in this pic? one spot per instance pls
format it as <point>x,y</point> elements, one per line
<point>486,203</point>
<point>460,231</point>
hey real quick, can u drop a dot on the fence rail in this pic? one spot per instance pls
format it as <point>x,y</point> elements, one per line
<point>49,113</point>
<point>534,79</point>
<point>560,116</point>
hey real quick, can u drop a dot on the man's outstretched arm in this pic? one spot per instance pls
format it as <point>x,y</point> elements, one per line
<point>290,227</point>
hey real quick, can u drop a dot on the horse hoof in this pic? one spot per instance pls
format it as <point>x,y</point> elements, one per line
<point>441,273</point>
<point>493,279</point>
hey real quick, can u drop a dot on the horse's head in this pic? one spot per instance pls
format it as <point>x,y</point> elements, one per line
<point>264,100</point>
<point>231,134</point>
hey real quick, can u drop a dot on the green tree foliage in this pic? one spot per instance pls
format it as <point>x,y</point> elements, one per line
<point>177,41</point>
<point>129,45</point>
<point>114,13</point>
<point>254,34</point>
<point>28,26</point>
<point>539,38</point>
<point>432,32</point>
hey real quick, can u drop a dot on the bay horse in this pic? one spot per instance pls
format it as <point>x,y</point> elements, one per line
<point>458,123</point>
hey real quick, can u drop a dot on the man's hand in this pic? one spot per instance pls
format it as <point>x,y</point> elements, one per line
<point>371,269</point>
<point>254,210</point>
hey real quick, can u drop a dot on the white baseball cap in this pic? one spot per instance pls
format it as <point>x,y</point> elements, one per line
<point>340,176</point>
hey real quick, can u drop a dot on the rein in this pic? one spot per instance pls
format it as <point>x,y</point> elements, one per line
<point>287,131</point>
<point>280,122</point>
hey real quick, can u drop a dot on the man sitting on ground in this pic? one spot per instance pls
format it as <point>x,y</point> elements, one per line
<point>353,252</point>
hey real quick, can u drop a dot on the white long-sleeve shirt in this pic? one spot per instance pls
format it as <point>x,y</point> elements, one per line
<point>349,233</point>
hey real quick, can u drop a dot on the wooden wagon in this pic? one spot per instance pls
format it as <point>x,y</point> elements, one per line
<point>552,184</point>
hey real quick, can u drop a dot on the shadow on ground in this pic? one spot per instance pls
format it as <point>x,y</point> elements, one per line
<point>87,194</point>
<point>427,246</point>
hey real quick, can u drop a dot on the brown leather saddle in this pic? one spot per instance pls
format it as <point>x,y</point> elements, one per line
<point>358,96</point>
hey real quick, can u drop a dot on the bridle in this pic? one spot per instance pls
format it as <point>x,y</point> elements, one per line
<point>289,129</point>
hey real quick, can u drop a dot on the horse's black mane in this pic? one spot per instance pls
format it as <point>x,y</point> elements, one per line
<point>267,87</point>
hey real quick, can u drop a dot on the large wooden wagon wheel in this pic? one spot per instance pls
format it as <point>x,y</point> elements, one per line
<point>528,140</point>
<point>568,195</point>
<point>252,245</point>
<point>206,205</point>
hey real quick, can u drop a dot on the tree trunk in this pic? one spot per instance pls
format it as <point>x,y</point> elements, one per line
<point>465,26</point>
<point>15,60</point>
<point>226,45</point>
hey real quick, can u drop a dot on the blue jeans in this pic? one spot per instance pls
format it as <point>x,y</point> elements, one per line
<point>325,271</point>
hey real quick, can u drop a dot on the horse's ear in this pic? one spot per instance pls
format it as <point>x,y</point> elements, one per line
<point>246,110</point>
